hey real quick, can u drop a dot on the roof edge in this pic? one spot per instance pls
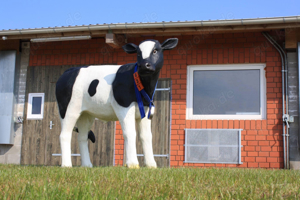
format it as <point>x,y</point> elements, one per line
<point>179,24</point>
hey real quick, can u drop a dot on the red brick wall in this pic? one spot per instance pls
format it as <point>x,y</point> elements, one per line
<point>261,139</point>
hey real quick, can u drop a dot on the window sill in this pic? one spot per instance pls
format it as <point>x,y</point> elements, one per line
<point>225,117</point>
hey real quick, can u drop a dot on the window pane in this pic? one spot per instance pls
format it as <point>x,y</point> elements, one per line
<point>36,105</point>
<point>226,92</point>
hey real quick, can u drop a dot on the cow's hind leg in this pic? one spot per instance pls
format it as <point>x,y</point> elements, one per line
<point>84,124</point>
<point>67,125</point>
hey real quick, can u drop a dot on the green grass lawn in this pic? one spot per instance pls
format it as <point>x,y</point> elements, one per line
<point>31,182</point>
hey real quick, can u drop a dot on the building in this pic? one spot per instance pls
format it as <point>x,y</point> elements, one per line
<point>228,94</point>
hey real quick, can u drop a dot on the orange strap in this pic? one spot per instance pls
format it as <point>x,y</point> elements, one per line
<point>138,82</point>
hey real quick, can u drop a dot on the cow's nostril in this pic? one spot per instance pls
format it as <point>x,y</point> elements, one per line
<point>147,65</point>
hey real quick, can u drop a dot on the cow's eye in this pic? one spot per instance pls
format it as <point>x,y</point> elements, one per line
<point>154,51</point>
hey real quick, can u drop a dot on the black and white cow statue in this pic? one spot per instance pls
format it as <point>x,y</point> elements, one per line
<point>108,92</point>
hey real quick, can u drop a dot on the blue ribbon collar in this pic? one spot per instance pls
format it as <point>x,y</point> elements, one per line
<point>139,91</point>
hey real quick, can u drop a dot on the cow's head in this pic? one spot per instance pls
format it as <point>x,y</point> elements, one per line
<point>150,54</point>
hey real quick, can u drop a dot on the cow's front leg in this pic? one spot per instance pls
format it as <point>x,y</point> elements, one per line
<point>126,118</point>
<point>129,134</point>
<point>144,129</point>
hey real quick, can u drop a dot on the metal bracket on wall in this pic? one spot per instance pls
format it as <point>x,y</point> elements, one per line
<point>156,155</point>
<point>286,119</point>
<point>58,154</point>
<point>19,120</point>
<point>51,125</point>
<point>291,119</point>
<point>163,89</point>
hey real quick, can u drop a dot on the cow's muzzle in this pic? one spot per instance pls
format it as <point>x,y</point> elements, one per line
<point>146,68</point>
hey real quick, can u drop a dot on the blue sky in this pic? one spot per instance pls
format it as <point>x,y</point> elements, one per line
<point>45,13</point>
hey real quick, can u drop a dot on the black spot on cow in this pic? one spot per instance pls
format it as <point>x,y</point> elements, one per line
<point>93,87</point>
<point>91,135</point>
<point>123,85</point>
<point>64,88</point>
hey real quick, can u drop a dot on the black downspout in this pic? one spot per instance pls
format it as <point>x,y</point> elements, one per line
<point>298,53</point>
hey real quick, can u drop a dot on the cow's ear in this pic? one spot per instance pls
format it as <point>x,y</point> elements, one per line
<point>169,44</point>
<point>130,48</point>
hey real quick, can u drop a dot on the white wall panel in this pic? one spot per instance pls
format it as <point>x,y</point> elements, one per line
<point>7,76</point>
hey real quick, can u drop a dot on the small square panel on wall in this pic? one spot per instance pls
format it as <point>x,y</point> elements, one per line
<point>213,146</point>
<point>35,109</point>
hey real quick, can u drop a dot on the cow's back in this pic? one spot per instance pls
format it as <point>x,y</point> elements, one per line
<point>86,88</point>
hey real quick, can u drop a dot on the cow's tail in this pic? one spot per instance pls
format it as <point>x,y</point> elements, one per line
<point>91,135</point>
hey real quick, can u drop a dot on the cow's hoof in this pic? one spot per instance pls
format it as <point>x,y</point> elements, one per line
<point>66,166</point>
<point>151,164</point>
<point>88,165</point>
<point>151,167</point>
<point>133,166</point>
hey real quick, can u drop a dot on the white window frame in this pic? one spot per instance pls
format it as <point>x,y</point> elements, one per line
<point>29,106</point>
<point>189,97</point>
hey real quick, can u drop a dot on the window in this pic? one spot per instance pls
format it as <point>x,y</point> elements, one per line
<point>35,109</point>
<point>226,92</point>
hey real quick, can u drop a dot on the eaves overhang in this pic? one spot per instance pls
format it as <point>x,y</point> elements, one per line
<point>188,27</point>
